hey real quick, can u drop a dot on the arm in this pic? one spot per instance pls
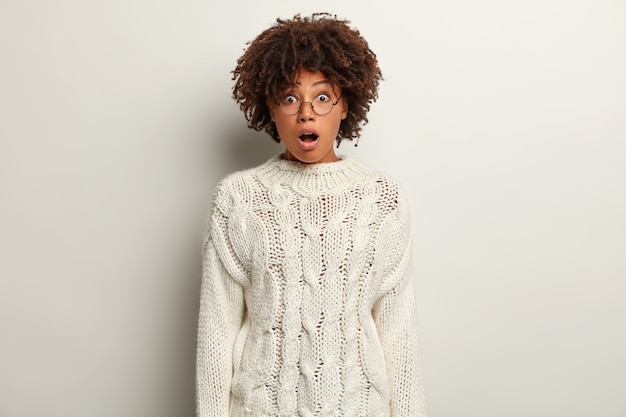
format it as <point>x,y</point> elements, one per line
<point>222,309</point>
<point>394,315</point>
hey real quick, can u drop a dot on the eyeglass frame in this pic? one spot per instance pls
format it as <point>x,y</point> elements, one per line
<point>312,106</point>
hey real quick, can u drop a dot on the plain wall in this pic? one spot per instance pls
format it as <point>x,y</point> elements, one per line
<point>505,121</point>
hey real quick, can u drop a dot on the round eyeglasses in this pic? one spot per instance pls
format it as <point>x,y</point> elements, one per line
<point>321,104</point>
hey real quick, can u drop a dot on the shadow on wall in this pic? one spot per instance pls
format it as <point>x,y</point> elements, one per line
<point>243,148</point>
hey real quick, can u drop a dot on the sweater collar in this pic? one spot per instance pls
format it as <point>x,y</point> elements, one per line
<point>312,178</point>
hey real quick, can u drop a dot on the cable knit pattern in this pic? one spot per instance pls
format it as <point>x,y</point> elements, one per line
<point>307,305</point>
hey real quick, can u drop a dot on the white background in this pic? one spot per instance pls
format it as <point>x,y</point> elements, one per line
<point>505,121</point>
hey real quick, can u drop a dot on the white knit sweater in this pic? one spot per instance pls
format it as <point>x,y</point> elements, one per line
<point>307,302</point>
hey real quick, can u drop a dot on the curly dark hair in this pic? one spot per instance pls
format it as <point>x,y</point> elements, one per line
<point>321,42</point>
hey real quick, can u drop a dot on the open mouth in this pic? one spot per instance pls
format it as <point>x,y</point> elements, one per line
<point>308,137</point>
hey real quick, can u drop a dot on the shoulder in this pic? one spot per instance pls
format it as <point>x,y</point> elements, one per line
<point>237,186</point>
<point>391,192</point>
<point>241,178</point>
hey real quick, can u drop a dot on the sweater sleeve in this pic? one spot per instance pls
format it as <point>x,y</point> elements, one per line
<point>395,318</point>
<point>222,309</point>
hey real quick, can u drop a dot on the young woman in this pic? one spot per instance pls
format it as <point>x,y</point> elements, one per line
<point>307,301</point>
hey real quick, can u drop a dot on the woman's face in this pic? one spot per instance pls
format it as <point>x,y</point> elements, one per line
<point>308,136</point>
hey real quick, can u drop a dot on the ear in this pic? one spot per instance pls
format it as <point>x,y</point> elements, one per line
<point>344,109</point>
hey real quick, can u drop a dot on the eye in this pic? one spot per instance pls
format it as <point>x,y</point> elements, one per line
<point>289,100</point>
<point>322,98</point>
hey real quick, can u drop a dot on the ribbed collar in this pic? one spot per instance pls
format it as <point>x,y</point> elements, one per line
<point>312,178</point>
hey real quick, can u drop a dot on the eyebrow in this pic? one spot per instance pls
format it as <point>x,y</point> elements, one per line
<point>316,83</point>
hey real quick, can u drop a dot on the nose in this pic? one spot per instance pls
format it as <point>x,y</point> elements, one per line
<point>306,112</point>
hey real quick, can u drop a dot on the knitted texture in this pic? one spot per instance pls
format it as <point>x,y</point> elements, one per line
<point>307,305</point>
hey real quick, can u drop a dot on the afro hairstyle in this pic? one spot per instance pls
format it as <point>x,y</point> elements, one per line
<point>271,62</point>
